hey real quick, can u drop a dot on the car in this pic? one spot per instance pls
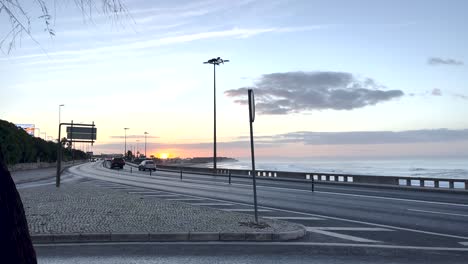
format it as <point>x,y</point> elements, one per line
<point>147,165</point>
<point>117,163</point>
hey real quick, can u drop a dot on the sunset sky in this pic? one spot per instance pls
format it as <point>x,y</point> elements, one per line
<point>331,78</point>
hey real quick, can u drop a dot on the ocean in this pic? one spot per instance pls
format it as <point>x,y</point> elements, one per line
<point>448,168</point>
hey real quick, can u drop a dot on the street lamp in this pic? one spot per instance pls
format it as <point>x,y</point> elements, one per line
<point>215,62</point>
<point>146,133</point>
<point>137,147</point>
<point>125,129</point>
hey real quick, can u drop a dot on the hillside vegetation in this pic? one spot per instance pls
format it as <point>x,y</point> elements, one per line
<point>17,146</point>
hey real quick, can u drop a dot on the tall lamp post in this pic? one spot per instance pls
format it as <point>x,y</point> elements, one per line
<point>215,62</point>
<point>60,108</point>
<point>136,151</point>
<point>146,133</point>
<point>125,129</point>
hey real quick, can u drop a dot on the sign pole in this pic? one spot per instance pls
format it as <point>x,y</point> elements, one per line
<point>59,159</point>
<point>251,120</point>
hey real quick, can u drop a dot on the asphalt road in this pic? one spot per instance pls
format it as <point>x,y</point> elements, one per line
<point>367,224</point>
<point>241,253</point>
<point>414,218</point>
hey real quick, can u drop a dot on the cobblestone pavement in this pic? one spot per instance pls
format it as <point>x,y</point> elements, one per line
<point>80,207</point>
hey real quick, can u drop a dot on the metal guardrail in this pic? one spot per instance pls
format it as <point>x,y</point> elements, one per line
<point>330,178</point>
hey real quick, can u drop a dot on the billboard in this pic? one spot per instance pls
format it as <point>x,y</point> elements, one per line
<point>29,128</point>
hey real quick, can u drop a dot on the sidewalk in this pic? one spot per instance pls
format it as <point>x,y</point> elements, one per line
<point>79,211</point>
<point>23,176</point>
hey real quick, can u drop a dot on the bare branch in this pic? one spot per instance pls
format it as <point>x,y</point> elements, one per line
<point>20,21</point>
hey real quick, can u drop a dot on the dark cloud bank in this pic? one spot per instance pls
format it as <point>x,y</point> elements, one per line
<point>293,92</point>
<point>331,138</point>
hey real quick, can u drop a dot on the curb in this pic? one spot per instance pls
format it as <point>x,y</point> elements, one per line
<point>167,237</point>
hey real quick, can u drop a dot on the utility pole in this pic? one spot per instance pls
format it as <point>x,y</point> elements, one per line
<point>125,152</point>
<point>215,62</point>
<point>146,133</point>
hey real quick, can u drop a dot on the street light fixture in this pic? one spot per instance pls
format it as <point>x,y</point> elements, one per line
<point>215,62</point>
<point>146,133</point>
<point>125,129</point>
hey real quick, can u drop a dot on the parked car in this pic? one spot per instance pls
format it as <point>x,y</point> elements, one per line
<point>117,163</point>
<point>147,165</point>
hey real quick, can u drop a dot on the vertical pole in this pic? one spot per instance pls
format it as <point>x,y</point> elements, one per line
<point>180,174</point>
<point>71,140</point>
<point>253,155</point>
<point>125,152</point>
<point>59,160</point>
<point>145,145</point>
<point>229,177</point>
<point>214,118</point>
<point>312,182</point>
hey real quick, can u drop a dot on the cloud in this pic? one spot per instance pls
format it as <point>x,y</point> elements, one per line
<point>436,92</point>
<point>440,61</point>
<point>462,96</point>
<point>293,92</point>
<point>366,137</point>
<point>134,136</point>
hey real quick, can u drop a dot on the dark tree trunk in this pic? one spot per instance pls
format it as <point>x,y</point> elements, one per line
<point>15,242</point>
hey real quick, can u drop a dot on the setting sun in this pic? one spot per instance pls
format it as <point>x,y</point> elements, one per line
<point>163,155</point>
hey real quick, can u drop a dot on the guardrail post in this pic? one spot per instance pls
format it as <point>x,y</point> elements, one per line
<point>436,183</point>
<point>466,185</point>
<point>180,174</point>
<point>131,169</point>
<point>408,182</point>
<point>451,185</point>
<point>312,183</point>
<point>229,177</point>
<point>421,183</point>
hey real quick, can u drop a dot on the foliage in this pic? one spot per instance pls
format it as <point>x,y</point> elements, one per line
<point>17,146</point>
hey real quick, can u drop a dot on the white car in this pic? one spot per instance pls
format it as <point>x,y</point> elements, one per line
<point>147,165</point>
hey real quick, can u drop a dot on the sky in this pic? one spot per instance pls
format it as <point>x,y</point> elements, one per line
<point>331,78</point>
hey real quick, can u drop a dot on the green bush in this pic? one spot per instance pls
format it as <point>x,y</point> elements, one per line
<point>17,146</point>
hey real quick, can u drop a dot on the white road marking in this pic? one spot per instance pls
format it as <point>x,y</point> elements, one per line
<point>161,195</point>
<point>463,243</point>
<point>353,228</point>
<point>211,204</point>
<point>186,199</point>
<point>341,236</point>
<point>147,192</point>
<point>292,218</point>
<point>434,212</point>
<point>137,182</point>
<point>265,243</point>
<point>244,210</point>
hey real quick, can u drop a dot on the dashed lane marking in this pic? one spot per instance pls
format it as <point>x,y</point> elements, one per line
<point>465,243</point>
